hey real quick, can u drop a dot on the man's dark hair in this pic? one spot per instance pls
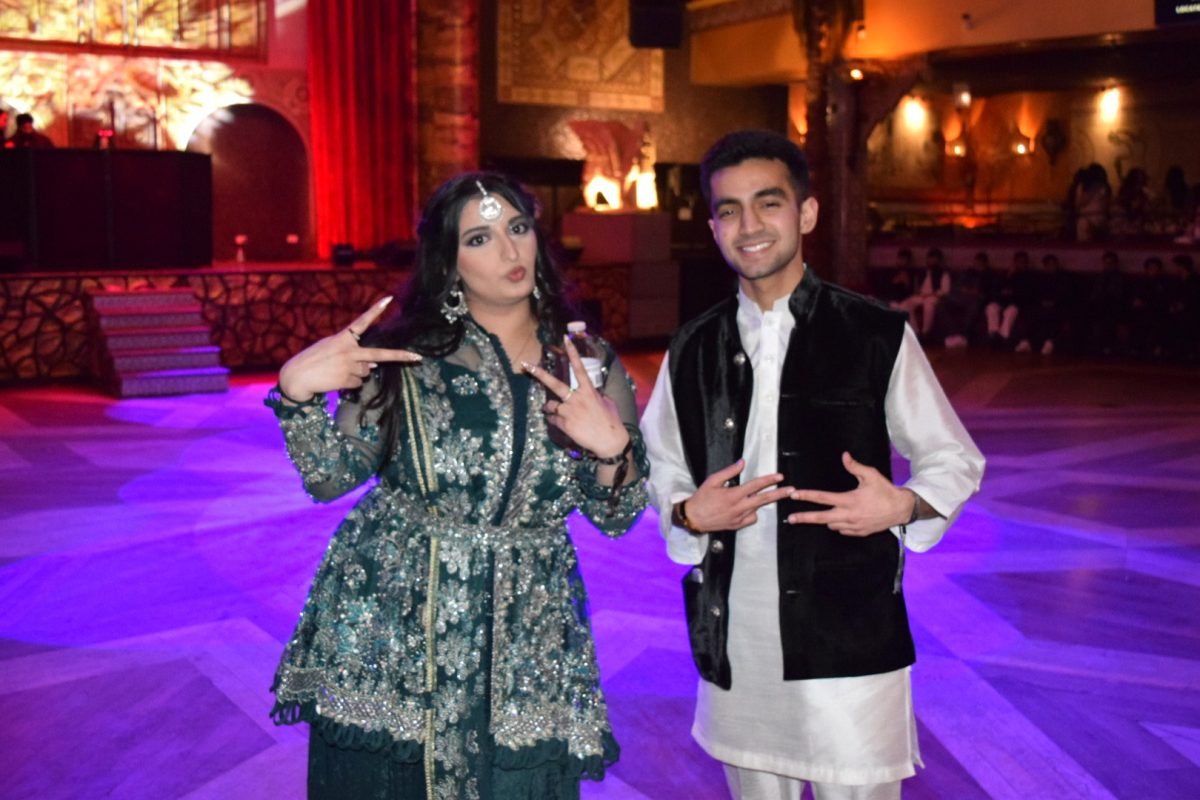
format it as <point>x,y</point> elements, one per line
<point>734,148</point>
<point>23,118</point>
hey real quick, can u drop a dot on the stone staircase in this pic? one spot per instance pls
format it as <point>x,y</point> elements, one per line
<point>153,342</point>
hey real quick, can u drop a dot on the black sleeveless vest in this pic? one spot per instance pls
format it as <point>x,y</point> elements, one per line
<point>839,613</point>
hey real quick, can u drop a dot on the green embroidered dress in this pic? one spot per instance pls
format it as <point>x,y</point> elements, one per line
<point>444,649</point>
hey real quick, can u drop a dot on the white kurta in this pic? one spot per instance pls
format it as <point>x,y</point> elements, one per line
<point>856,730</point>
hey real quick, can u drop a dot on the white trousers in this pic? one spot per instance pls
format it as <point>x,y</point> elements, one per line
<point>750,784</point>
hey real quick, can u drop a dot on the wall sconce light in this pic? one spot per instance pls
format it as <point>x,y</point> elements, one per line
<point>856,74</point>
<point>1110,104</point>
<point>915,115</point>
<point>1023,146</point>
<point>957,148</point>
<point>962,96</point>
<point>967,22</point>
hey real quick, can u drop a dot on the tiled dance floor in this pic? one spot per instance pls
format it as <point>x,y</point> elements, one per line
<point>155,553</point>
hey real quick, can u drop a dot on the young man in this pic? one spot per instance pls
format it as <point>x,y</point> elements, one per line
<point>769,431</point>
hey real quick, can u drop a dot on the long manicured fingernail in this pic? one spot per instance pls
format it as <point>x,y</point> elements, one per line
<point>372,365</point>
<point>414,358</point>
<point>384,302</point>
<point>525,365</point>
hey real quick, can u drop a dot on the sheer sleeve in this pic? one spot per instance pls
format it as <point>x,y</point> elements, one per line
<point>615,518</point>
<point>333,453</point>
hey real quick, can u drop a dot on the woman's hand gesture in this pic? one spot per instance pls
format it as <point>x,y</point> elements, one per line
<point>583,413</point>
<point>337,362</point>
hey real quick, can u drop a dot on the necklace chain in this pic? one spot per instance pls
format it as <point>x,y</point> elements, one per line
<point>514,357</point>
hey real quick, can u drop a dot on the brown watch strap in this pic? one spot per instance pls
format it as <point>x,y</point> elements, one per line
<point>679,517</point>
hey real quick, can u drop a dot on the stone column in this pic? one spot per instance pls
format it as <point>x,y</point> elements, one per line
<point>447,91</point>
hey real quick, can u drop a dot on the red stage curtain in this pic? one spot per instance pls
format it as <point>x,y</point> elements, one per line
<point>362,83</point>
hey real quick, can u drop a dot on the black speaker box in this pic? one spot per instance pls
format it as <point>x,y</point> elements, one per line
<point>656,23</point>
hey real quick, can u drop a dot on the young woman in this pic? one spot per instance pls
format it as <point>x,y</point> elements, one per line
<point>445,650</point>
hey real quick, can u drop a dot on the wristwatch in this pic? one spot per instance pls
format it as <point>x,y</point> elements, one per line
<point>917,507</point>
<point>679,517</point>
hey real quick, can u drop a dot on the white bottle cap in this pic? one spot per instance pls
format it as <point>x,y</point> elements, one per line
<point>576,326</point>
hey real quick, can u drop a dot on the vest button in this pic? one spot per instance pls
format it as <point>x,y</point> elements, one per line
<point>729,423</point>
<point>718,546</point>
<point>716,611</point>
<point>739,359</point>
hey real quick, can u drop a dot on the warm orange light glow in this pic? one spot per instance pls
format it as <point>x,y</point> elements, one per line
<point>1110,105</point>
<point>952,127</point>
<point>958,149</point>
<point>962,95</point>
<point>601,185</point>
<point>157,102</point>
<point>646,192</point>
<point>856,74</point>
<point>915,114</point>
<point>233,26</point>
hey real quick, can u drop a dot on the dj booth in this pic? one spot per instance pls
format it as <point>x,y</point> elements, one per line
<point>104,210</point>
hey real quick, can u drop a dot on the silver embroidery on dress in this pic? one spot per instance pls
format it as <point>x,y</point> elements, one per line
<point>510,591</point>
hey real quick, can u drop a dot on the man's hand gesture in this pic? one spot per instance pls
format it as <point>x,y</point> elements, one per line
<point>717,507</point>
<point>877,504</point>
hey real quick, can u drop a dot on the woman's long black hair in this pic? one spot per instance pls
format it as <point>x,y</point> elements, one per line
<point>419,326</point>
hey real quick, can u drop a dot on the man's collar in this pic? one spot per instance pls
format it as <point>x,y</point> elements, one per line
<point>800,300</point>
<point>751,309</point>
<point>803,297</point>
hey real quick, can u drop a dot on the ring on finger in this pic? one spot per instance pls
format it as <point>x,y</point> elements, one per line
<point>567,396</point>
<point>354,333</point>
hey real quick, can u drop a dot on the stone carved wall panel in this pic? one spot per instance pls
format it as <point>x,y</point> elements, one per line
<point>258,318</point>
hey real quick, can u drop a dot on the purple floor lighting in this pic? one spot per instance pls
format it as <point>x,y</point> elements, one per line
<point>155,553</point>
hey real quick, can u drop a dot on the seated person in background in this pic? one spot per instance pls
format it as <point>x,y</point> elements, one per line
<point>1132,210</point>
<point>1148,305</point>
<point>960,310</point>
<point>999,307</point>
<point>929,289</point>
<point>981,275</point>
<point>27,137</point>
<point>1025,291</point>
<point>1175,195</point>
<point>1052,313</point>
<point>900,284</point>
<point>1092,196</point>
<point>1190,231</point>
<point>1107,308</point>
<point>1182,325</point>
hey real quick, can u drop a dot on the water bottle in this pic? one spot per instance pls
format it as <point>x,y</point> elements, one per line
<point>557,363</point>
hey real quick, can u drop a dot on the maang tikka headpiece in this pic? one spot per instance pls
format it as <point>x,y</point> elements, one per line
<point>489,207</point>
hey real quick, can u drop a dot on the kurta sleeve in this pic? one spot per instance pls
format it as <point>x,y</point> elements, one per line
<point>946,465</point>
<point>670,478</point>
<point>333,453</point>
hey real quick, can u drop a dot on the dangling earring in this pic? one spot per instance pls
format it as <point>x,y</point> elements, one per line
<point>453,310</point>
<point>537,294</point>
